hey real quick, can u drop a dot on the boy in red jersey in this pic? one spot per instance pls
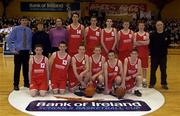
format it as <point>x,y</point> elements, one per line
<point>113,72</point>
<point>125,41</point>
<point>59,62</point>
<point>92,36</point>
<point>108,38</point>
<point>78,72</point>
<point>96,64</point>
<point>38,73</point>
<point>76,34</point>
<point>141,41</point>
<point>132,73</point>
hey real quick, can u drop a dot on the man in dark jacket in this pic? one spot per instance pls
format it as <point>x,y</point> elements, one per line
<point>41,37</point>
<point>159,42</point>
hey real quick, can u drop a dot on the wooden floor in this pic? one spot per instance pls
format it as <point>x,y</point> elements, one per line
<point>172,96</point>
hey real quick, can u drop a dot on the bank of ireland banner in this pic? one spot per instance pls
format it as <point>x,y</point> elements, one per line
<point>59,105</point>
<point>49,6</point>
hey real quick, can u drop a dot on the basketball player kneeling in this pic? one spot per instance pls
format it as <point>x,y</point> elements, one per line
<point>132,72</point>
<point>78,72</point>
<point>113,72</point>
<point>38,73</point>
<point>96,62</point>
<point>59,63</point>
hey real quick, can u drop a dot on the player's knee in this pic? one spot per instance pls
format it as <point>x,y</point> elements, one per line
<point>42,93</point>
<point>62,91</point>
<point>55,91</point>
<point>118,80</point>
<point>101,79</point>
<point>138,80</point>
<point>33,93</point>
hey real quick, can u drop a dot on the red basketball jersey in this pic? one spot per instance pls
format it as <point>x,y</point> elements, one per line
<point>126,41</point>
<point>142,50</point>
<point>39,76</point>
<point>92,40</point>
<point>59,67</point>
<point>39,70</point>
<point>109,39</point>
<point>96,66</point>
<point>113,71</point>
<point>112,74</point>
<point>132,68</point>
<point>75,39</point>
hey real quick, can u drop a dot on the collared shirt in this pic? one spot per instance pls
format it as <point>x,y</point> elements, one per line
<point>17,36</point>
<point>56,35</point>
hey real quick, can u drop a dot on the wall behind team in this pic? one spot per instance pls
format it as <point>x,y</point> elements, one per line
<point>171,10</point>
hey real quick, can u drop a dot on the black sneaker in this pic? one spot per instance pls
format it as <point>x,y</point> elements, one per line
<point>99,89</point>
<point>79,93</point>
<point>137,93</point>
<point>151,86</point>
<point>165,87</point>
<point>16,88</point>
<point>26,85</point>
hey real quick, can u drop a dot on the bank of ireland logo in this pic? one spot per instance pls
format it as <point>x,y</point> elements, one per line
<point>115,105</point>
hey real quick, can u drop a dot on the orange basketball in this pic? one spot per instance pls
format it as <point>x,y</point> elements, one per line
<point>120,92</point>
<point>89,91</point>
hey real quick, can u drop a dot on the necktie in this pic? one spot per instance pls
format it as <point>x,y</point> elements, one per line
<point>24,38</point>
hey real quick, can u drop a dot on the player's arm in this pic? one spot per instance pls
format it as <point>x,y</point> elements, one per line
<point>30,68</point>
<point>75,69</point>
<point>102,42</point>
<point>106,77</point>
<point>68,61</point>
<point>85,34</point>
<point>125,70</point>
<point>145,42</point>
<point>121,74</point>
<point>47,69</point>
<point>51,60</point>
<point>118,39</point>
<point>90,66</point>
<point>115,42</point>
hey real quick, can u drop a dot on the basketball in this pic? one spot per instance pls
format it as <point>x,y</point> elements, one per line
<point>120,92</point>
<point>89,91</point>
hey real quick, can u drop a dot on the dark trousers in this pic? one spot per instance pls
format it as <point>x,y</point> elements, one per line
<point>155,62</point>
<point>22,58</point>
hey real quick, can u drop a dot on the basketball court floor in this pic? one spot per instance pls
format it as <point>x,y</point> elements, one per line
<point>168,99</point>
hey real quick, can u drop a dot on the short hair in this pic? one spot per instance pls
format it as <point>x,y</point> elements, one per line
<point>39,22</point>
<point>24,17</point>
<point>134,50</point>
<point>111,51</point>
<point>38,45</point>
<point>94,17</point>
<point>63,42</point>
<point>98,46</point>
<point>75,13</point>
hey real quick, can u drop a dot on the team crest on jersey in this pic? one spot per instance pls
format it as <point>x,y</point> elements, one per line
<point>78,31</point>
<point>42,65</point>
<point>64,62</point>
<point>116,68</point>
<point>83,62</point>
<point>112,34</point>
<point>130,35</point>
<point>97,33</point>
